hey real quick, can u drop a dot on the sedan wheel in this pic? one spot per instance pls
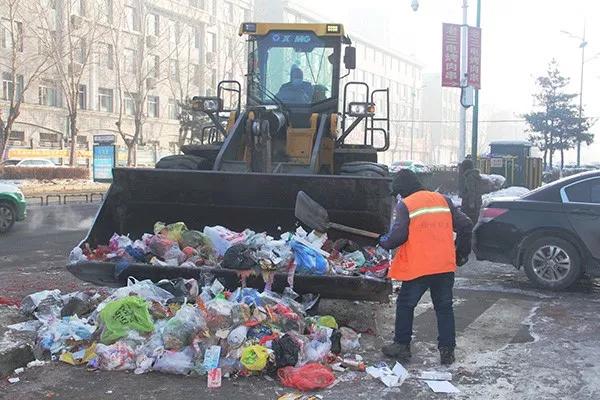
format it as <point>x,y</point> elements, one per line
<point>552,263</point>
<point>7,217</point>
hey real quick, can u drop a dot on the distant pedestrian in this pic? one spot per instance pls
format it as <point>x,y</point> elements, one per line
<point>470,189</point>
<point>426,258</point>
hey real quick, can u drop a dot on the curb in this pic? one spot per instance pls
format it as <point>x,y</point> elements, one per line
<point>16,348</point>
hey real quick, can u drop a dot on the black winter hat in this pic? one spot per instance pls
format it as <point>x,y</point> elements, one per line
<point>405,183</point>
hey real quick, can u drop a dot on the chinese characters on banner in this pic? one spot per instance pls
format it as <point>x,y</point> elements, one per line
<point>451,55</point>
<point>474,57</point>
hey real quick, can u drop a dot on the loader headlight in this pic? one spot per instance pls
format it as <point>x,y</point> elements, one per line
<point>333,28</point>
<point>206,104</point>
<point>361,109</point>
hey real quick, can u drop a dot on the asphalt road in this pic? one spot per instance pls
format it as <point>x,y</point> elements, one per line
<point>514,341</point>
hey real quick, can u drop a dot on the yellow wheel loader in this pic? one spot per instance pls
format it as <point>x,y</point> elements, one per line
<point>304,127</point>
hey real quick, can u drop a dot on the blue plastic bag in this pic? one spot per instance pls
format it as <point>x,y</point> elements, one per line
<point>308,261</point>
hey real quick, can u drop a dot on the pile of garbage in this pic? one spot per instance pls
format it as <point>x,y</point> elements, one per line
<point>183,327</point>
<point>248,252</point>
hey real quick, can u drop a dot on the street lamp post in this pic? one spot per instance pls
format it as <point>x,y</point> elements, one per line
<point>582,44</point>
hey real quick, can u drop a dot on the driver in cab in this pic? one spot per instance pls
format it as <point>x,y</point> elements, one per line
<point>297,90</point>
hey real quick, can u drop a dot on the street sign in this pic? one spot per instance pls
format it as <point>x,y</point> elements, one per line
<point>104,139</point>
<point>450,55</point>
<point>103,162</point>
<point>474,57</point>
<point>496,162</point>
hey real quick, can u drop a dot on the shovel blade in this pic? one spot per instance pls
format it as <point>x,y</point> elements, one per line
<point>311,213</point>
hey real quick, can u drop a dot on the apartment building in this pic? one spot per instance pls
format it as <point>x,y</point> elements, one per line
<point>380,67</point>
<point>130,57</point>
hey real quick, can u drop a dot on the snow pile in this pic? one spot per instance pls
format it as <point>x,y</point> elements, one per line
<point>511,192</point>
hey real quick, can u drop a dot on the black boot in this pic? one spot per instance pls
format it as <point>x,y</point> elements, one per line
<point>397,351</point>
<point>446,355</point>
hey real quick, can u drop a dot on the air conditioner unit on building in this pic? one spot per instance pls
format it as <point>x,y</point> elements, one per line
<point>210,58</point>
<point>150,83</point>
<point>76,21</point>
<point>75,68</point>
<point>151,41</point>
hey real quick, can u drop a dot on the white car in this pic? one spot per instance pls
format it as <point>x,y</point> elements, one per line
<point>414,166</point>
<point>27,162</point>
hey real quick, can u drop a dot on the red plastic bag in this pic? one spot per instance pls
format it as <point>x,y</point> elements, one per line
<point>308,377</point>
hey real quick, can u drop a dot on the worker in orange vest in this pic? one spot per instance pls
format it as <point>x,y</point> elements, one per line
<point>426,258</point>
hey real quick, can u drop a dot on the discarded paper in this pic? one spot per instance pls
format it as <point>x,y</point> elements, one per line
<point>442,387</point>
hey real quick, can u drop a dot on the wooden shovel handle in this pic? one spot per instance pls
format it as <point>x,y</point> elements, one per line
<point>355,231</point>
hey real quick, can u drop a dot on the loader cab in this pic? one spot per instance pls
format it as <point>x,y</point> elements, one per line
<point>297,70</point>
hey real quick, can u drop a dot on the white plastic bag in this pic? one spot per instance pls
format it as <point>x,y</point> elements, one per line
<point>175,362</point>
<point>315,351</point>
<point>222,238</point>
<point>237,337</point>
<point>181,329</point>
<point>349,341</point>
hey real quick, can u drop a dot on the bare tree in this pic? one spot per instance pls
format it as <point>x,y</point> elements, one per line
<point>23,65</point>
<point>69,35</point>
<point>142,57</point>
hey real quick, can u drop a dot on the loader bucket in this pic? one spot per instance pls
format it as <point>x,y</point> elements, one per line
<point>138,198</point>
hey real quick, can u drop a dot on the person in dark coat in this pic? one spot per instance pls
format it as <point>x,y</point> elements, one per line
<point>470,189</point>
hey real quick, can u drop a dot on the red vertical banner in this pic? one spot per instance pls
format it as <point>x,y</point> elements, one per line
<point>451,55</point>
<point>474,57</point>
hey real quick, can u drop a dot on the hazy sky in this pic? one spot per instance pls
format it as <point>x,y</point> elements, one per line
<point>519,38</point>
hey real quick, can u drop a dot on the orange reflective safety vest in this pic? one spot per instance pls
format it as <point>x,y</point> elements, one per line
<point>430,246</point>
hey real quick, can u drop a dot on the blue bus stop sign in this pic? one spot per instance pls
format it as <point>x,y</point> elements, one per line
<point>104,158</point>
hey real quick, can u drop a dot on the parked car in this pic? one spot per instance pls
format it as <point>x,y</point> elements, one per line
<point>12,206</point>
<point>28,162</point>
<point>553,232</point>
<point>415,166</point>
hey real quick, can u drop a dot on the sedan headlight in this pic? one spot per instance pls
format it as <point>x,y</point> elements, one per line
<point>20,195</point>
<point>356,109</point>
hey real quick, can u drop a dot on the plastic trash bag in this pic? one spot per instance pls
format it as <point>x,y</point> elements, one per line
<point>54,335</point>
<point>308,377</point>
<point>76,255</point>
<point>254,358</point>
<point>119,242</point>
<point>357,256</point>
<point>120,316</point>
<point>150,350</point>
<point>286,351</point>
<point>173,232</point>
<point>308,261</point>
<point>43,305</point>
<point>336,345</point>
<point>181,329</point>
<point>160,244</point>
<point>328,321</point>
<point>194,239</point>
<point>174,253</point>
<point>237,336</point>
<point>316,351</point>
<point>115,357</point>
<point>238,257</point>
<point>349,341</point>
<point>145,289</point>
<point>222,238</point>
<point>175,362</point>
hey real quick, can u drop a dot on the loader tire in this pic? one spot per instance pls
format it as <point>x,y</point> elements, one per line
<point>364,168</point>
<point>184,161</point>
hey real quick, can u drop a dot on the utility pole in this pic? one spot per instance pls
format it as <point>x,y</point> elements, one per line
<point>582,45</point>
<point>475,127</point>
<point>412,120</point>
<point>462,138</point>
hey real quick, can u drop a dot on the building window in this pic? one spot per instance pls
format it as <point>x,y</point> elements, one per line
<point>153,106</point>
<point>49,139</point>
<point>79,7</point>
<point>173,109</point>
<point>174,33</point>
<point>105,100</point>
<point>130,103</point>
<point>48,94</point>
<point>211,43</point>
<point>129,58</point>
<point>197,38</point>
<point>82,142</point>
<point>153,27</point>
<point>106,55</point>
<point>174,70</point>
<point>154,66</point>
<point>6,38</point>
<point>16,138</point>
<point>82,51</point>
<point>82,97</point>
<point>107,11</point>
<point>8,87</point>
<point>132,17</point>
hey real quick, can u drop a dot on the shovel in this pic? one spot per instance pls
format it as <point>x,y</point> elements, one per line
<point>315,216</point>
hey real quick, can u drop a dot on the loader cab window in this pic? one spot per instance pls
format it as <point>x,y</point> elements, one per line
<point>295,68</point>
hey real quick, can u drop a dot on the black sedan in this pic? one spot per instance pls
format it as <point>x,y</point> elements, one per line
<point>553,232</point>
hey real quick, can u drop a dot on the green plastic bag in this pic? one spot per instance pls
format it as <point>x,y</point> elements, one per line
<point>254,358</point>
<point>173,232</point>
<point>328,321</point>
<point>121,316</point>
